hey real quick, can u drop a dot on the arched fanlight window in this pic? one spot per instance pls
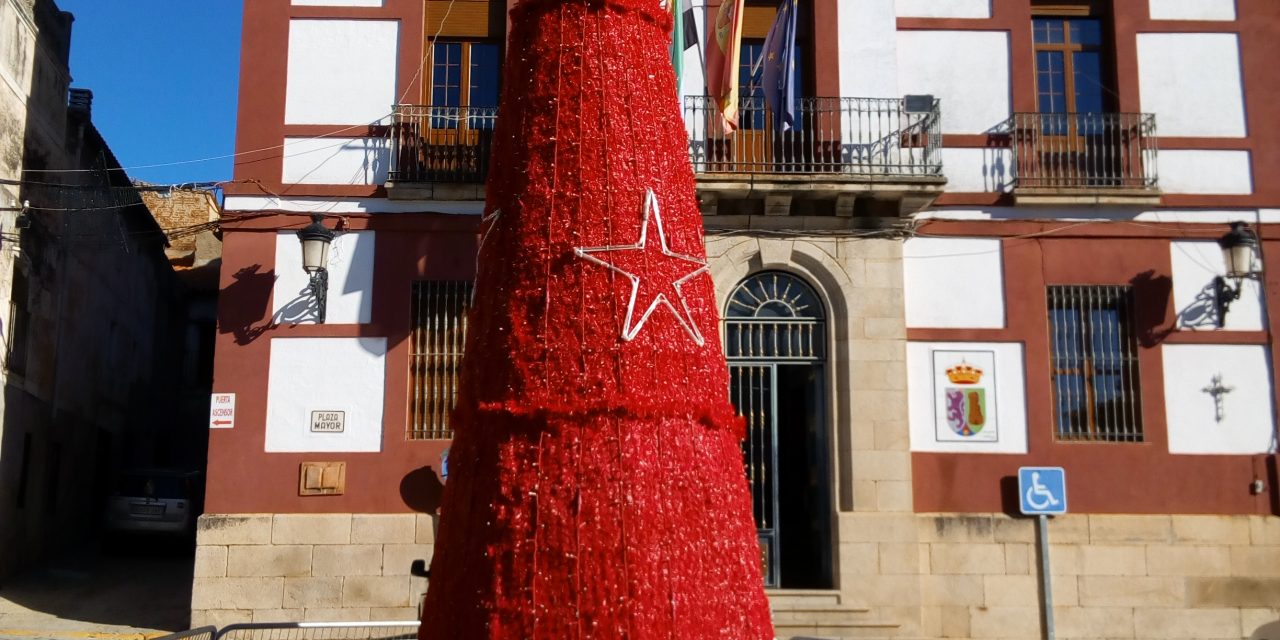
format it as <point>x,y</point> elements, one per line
<point>774,315</point>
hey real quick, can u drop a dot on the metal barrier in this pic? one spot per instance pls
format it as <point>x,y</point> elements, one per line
<point>441,144</point>
<point>407,630</point>
<point>199,633</point>
<point>1084,150</point>
<point>839,136</point>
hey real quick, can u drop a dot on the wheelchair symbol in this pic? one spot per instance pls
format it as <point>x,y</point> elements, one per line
<point>1038,496</point>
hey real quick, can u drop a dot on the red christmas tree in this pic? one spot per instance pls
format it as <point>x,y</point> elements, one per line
<point>596,485</point>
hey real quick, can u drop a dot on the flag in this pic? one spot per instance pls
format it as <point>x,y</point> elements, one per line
<point>677,40</point>
<point>724,52</point>
<point>779,82</point>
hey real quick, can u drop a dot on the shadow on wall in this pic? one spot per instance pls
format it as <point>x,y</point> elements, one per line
<point>421,490</point>
<point>1151,297</point>
<point>243,303</point>
<point>1269,631</point>
<point>1202,313</point>
<point>249,296</point>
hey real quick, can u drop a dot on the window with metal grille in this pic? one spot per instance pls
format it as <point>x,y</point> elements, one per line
<point>439,333</point>
<point>1094,364</point>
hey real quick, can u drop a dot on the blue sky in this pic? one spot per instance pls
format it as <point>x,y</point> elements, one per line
<point>164,75</point>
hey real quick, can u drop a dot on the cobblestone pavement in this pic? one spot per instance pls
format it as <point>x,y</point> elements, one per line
<point>131,593</point>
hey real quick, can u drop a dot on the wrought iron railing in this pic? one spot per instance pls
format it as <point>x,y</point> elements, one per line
<point>441,144</point>
<point>1084,150</point>
<point>839,136</point>
<point>843,136</point>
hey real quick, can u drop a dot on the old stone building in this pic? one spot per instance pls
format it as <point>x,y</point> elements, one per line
<point>93,315</point>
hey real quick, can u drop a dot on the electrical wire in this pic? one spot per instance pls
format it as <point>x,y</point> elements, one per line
<point>408,89</point>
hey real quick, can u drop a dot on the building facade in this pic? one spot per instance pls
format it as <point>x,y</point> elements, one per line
<point>988,243</point>
<point>91,307</point>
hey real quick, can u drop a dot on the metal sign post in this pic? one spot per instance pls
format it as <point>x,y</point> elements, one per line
<point>1045,575</point>
<point>1042,492</point>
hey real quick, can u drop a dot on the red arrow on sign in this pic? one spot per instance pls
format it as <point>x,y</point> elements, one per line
<point>221,422</point>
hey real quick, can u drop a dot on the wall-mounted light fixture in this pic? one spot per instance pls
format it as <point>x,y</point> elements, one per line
<point>1240,253</point>
<point>315,239</point>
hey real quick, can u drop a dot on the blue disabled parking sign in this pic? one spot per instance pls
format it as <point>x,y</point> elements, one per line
<point>1042,490</point>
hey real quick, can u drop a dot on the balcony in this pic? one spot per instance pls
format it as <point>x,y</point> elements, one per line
<point>440,153</point>
<point>845,157</point>
<point>853,162</point>
<point>1069,158</point>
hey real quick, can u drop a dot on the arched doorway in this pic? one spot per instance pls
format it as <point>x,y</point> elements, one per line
<point>775,340</point>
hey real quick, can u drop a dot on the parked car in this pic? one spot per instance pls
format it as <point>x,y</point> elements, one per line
<point>159,501</point>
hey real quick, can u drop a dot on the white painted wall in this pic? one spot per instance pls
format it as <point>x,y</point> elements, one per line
<point>1195,264</point>
<point>350,280</point>
<point>1248,421</point>
<point>953,283</point>
<point>1191,81</point>
<point>943,8</point>
<point>341,71</point>
<point>337,3</point>
<point>868,49</point>
<point>1010,400</point>
<point>1103,214</point>
<point>352,205</point>
<point>1193,9</point>
<point>336,160</point>
<point>968,70</point>
<point>1208,172</point>
<point>978,170</point>
<point>325,374</point>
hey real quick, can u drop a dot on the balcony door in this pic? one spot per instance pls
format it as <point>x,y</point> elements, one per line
<point>1076,128</point>
<point>757,146</point>
<point>775,339</point>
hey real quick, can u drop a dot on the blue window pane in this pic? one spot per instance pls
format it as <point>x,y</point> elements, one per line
<point>445,74</point>
<point>484,75</point>
<point>1088,78</point>
<point>752,114</point>
<point>1047,30</point>
<point>1051,82</point>
<point>1085,32</point>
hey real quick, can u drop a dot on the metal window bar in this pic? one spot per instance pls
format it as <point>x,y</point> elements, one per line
<point>389,630</point>
<point>439,334</point>
<point>751,386</point>
<point>1094,364</point>
<point>791,339</point>
<point>1097,151</point>
<point>441,144</point>
<point>846,136</point>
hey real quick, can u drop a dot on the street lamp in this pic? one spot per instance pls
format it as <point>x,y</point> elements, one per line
<point>315,239</point>
<point>1240,253</point>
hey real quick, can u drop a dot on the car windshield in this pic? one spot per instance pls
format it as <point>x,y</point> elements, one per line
<point>164,487</point>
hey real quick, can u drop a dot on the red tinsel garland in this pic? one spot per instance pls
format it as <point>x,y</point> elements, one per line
<point>596,484</point>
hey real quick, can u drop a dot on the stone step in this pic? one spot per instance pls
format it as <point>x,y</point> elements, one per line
<point>823,614</point>
<point>803,598</point>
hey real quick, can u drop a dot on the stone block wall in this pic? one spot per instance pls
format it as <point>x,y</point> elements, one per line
<point>308,567</point>
<point>1113,576</point>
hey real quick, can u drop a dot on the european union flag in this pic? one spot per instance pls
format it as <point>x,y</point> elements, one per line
<point>779,81</point>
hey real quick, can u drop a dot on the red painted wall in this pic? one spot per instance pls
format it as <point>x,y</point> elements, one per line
<point>1103,477</point>
<point>244,479</point>
<point>1255,24</point>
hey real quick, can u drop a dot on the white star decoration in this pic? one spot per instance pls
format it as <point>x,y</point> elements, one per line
<point>632,326</point>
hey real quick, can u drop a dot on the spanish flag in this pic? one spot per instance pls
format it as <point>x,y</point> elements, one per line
<point>724,53</point>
